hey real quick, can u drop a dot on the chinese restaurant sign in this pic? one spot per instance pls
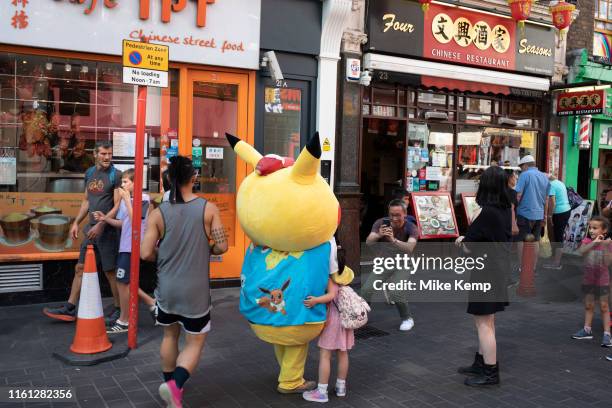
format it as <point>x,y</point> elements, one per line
<point>221,32</point>
<point>581,103</point>
<point>459,36</point>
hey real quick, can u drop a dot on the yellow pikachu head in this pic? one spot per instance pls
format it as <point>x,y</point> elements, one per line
<point>291,208</point>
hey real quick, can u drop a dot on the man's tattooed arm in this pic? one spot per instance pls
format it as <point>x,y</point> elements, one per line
<point>219,237</point>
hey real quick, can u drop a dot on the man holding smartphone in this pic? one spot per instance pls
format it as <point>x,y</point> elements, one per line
<point>400,231</point>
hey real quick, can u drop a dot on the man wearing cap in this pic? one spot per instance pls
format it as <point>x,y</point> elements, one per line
<point>532,194</point>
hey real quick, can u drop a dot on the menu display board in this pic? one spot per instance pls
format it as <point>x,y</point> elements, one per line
<point>124,144</point>
<point>470,206</point>
<point>578,226</point>
<point>554,154</point>
<point>435,215</point>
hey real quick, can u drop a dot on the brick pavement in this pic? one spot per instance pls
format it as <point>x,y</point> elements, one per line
<point>540,365</point>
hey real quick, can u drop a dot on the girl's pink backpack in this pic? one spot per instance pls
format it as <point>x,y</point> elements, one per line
<point>352,307</point>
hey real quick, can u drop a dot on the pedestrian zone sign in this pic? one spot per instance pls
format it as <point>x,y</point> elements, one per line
<point>145,64</point>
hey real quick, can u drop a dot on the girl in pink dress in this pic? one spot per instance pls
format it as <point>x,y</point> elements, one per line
<point>334,337</point>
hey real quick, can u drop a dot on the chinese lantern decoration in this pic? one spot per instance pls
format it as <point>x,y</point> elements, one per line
<point>562,17</point>
<point>425,5</point>
<point>520,10</point>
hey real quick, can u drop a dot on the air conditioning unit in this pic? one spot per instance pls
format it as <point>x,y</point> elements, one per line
<point>507,121</point>
<point>436,115</point>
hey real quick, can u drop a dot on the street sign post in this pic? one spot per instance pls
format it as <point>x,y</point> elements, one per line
<point>144,65</point>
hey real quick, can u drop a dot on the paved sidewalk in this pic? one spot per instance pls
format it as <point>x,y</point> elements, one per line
<point>540,365</point>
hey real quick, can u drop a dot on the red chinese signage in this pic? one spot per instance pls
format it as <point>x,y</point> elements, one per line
<point>581,103</point>
<point>464,37</point>
<point>167,8</point>
<point>19,20</point>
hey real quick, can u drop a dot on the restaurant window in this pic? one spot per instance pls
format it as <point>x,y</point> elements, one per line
<point>429,157</point>
<point>54,110</point>
<point>282,121</point>
<point>479,147</point>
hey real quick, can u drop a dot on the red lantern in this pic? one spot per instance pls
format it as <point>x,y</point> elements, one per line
<point>425,5</point>
<point>520,10</point>
<point>562,16</point>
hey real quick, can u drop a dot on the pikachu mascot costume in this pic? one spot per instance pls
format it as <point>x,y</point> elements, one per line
<point>290,214</point>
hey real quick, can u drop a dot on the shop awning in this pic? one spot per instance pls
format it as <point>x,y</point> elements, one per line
<point>455,72</point>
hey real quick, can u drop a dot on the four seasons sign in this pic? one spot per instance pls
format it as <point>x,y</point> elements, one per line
<point>459,36</point>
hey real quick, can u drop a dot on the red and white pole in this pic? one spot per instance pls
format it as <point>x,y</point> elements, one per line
<point>584,139</point>
<point>141,113</point>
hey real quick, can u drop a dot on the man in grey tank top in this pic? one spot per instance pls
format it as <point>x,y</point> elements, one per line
<point>184,226</point>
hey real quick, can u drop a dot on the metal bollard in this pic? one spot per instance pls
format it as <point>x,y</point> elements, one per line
<point>527,279</point>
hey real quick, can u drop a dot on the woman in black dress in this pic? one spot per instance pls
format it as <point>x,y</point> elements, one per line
<point>493,225</point>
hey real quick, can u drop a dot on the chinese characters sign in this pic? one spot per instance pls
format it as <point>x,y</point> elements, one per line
<point>581,103</point>
<point>465,37</point>
<point>459,36</point>
<point>19,20</point>
<point>217,32</point>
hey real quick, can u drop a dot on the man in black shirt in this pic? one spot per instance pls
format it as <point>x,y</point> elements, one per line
<point>101,194</point>
<point>400,231</point>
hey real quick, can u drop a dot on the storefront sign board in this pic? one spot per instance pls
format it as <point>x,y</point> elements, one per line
<point>435,215</point>
<point>459,36</point>
<point>554,154</point>
<point>228,36</point>
<point>581,103</point>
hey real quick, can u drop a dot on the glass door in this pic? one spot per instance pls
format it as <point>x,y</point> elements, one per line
<point>218,104</point>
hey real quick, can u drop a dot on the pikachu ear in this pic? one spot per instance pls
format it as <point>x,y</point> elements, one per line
<point>306,166</point>
<point>244,150</point>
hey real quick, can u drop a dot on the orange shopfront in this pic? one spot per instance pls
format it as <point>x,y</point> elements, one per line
<point>61,92</point>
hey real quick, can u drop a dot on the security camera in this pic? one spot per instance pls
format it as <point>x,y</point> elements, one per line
<point>365,78</point>
<point>269,60</point>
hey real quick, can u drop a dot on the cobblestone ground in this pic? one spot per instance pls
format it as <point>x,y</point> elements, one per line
<point>540,365</point>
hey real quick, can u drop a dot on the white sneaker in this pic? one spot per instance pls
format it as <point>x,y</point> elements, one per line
<point>407,325</point>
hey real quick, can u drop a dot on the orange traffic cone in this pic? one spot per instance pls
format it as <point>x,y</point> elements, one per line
<point>90,336</point>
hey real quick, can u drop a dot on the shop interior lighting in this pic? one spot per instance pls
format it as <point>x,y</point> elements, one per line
<point>68,67</point>
<point>84,69</point>
<point>24,62</point>
<point>49,66</point>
